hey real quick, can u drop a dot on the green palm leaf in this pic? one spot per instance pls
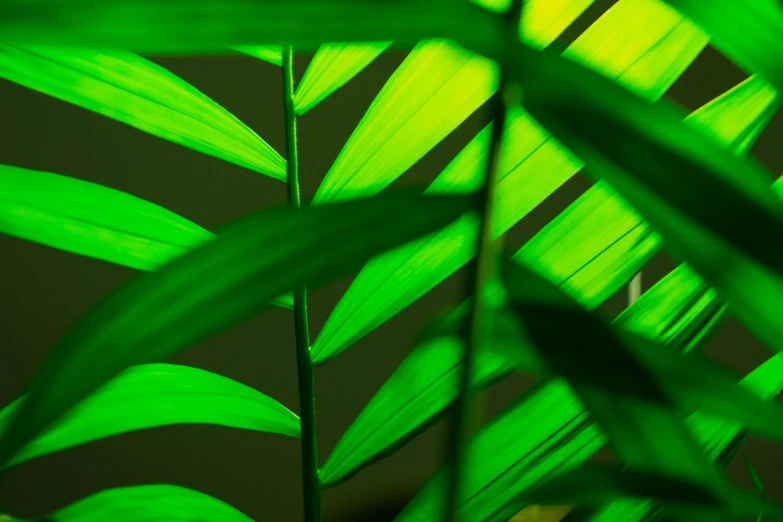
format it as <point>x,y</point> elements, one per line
<point>135,91</point>
<point>151,395</point>
<point>271,53</point>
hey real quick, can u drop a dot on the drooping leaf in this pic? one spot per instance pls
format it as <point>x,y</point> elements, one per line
<point>532,166</point>
<point>152,395</point>
<point>154,503</point>
<point>130,89</point>
<point>270,53</point>
<point>745,30</point>
<point>698,196</point>
<point>332,67</point>
<point>212,25</point>
<point>434,90</point>
<point>216,286</point>
<point>595,246</point>
<point>596,483</point>
<point>96,221</point>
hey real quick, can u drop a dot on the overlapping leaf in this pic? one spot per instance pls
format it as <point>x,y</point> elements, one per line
<point>532,166</point>
<point>704,206</point>
<point>678,310</point>
<point>152,395</point>
<point>156,503</point>
<point>210,25</point>
<point>218,285</point>
<point>130,89</point>
<point>96,221</point>
<point>332,67</point>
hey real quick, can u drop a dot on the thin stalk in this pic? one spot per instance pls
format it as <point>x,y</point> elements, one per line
<point>479,272</point>
<point>310,484</point>
<point>635,289</point>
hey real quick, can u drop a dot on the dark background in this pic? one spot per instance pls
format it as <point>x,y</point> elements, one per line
<point>43,291</point>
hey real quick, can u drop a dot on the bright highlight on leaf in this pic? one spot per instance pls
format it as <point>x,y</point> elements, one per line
<point>158,503</point>
<point>96,221</point>
<point>152,395</point>
<point>130,89</point>
<point>214,287</point>
<point>332,67</point>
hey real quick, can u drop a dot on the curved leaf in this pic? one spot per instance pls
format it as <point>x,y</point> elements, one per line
<point>130,89</point>
<point>434,90</point>
<point>154,503</point>
<point>271,53</point>
<point>532,166</point>
<point>92,220</point>
<point>332,67</point>
<point>209,25</point>
<point>152,395</point>
<point>216,286</point>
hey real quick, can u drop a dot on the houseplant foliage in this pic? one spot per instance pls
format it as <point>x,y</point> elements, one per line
<point>666,180</point>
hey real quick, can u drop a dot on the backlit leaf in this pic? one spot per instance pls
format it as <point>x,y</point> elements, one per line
<point>271,53</point>
<point>152,395</point>
<point>130,89</point>
<point>434,90</point>
<point>332,67</point>
<point>532,166</point>
<point>92,220</point>
<point>155,503</point>
<point>698,196</point>
<point>214,287</point>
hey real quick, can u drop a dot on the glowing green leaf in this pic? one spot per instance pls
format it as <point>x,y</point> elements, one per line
<point>747,31</point>
<point>272,53</point>
<point>434,90</point>
<point>208,26</point>
<point>332,67</point>
<point>130,89</point>
<point>96,221</point>
<point>151,395</point>
<point>214,287</point>
<point>698,196</point>
<point>532,166</point>
<point>156,503</point>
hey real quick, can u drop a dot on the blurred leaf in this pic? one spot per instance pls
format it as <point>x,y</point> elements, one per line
<point>155,503</point>
<point>594,247</point>
<point>332,67</point>
<point>698,196</point>
<point>753,475</point>
<point>130,89</point>
<point>214,287</point>
<point>271,53</point>
<point>607,245</point>
<point>152,395</point>
<point>201,26</point>
<point>595,483</point>
<point>747,31</point>
<point>96,221</point>
<point>433,91</point>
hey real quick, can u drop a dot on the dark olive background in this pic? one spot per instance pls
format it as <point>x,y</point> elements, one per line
<point>44,291</point>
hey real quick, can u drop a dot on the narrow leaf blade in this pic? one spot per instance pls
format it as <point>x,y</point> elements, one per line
<point>152,395</point>
<point>270,53</point>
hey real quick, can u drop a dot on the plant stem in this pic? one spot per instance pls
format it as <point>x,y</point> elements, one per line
<point>479,272</point>
<point>310,484</point>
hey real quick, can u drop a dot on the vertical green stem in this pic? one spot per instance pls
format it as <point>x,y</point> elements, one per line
<point>635,289</point>
<point>310,484</point>
<point>480,271</point>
